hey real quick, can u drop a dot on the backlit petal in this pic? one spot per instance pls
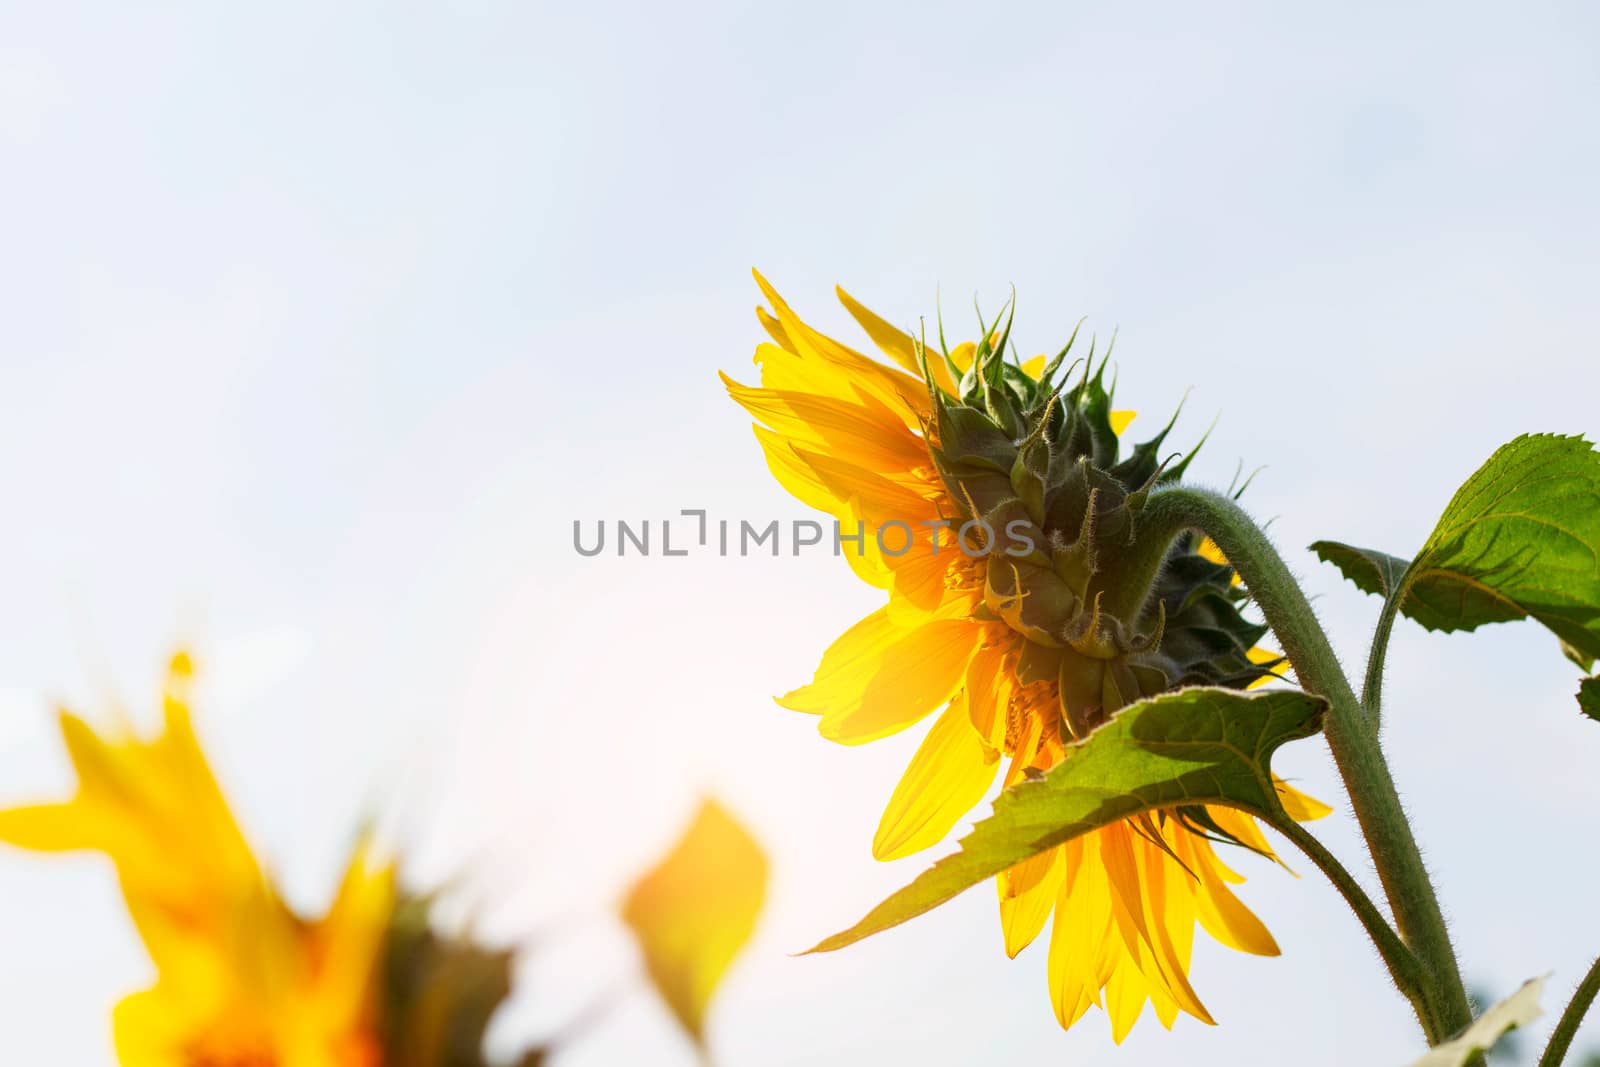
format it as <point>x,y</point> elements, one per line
<point>917,672</point>
<point>949,774</point>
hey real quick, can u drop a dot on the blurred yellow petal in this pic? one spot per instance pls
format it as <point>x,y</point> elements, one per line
<point>240,978</point>
<point>350,938</point>
<point>47,828</point>
<point>950,773</point>
<point>1120,421</point>
<point>694,911</point>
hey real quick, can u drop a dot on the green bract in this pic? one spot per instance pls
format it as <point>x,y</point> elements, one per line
<point>1040,476</point>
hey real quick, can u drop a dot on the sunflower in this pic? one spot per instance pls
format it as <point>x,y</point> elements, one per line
<point>242,979</point>
<point>998,513</point>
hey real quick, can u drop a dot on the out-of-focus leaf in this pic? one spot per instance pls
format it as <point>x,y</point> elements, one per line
<point>1589,697</point>
<point>695,910</point>
<point>1520,539</point>
<point>1519,1009</point>
<point>1191,746</point>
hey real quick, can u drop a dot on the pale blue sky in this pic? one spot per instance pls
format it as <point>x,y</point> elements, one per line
<point>322,325</point>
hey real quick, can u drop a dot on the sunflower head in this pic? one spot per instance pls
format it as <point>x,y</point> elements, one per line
<point>1051,505</point>
<point>1061,597</point>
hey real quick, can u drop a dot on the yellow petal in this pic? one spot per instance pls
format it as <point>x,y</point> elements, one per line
<point>1081,938</point>
<point>1244,828</point>
<point>153,1028</point>
<point>1125,998</point>
<point>921,576</point>
<point>988,693</point>
<point>1221,913</point>
<point>695,910</point>
<point>49,828</point>
<point>1028,892</point>
<point>774,329</point>
<point>1026,751</point>
<point>867,435</point>
<point>917,672</point>
<point>1210,550</point>
<point>864,558</point>
<point>1165,913</point>
<point>847,666</point>
<point>1035,367</point>
<point>349,939</point>
<point>950,773</point>
<point>797,476</point>
<point>896,343</point>
<point>1297,805</point>
<point>903,394</point>
<point>1120,421</point>
<point>1264,657</point>
<point>876,498</point>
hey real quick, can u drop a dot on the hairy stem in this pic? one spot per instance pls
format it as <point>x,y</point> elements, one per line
<point>1572,1018</point>
<point>1404,967</point>
<point>1351,738</point>
<point>1372,685</point>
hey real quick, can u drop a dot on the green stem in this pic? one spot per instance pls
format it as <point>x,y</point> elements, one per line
<point>1350,736</point>
<point>1572,1018</point>
<point>1404,967</point>
<point>1372,685</point>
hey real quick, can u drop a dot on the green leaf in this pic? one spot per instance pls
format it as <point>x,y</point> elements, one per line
<point>1519,1009</point>
<point>1191,746</point>
<point>1589,697</point>
<point>1372,571</point>
<point>693,912</point>
<point>1521,538</point>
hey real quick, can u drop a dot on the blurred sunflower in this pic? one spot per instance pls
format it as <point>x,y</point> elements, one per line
<point>997,512</point>
<point>241,978</point>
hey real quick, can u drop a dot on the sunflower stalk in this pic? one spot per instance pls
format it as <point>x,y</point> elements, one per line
<point>1352,737</point>
<point>1572,1018</point>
